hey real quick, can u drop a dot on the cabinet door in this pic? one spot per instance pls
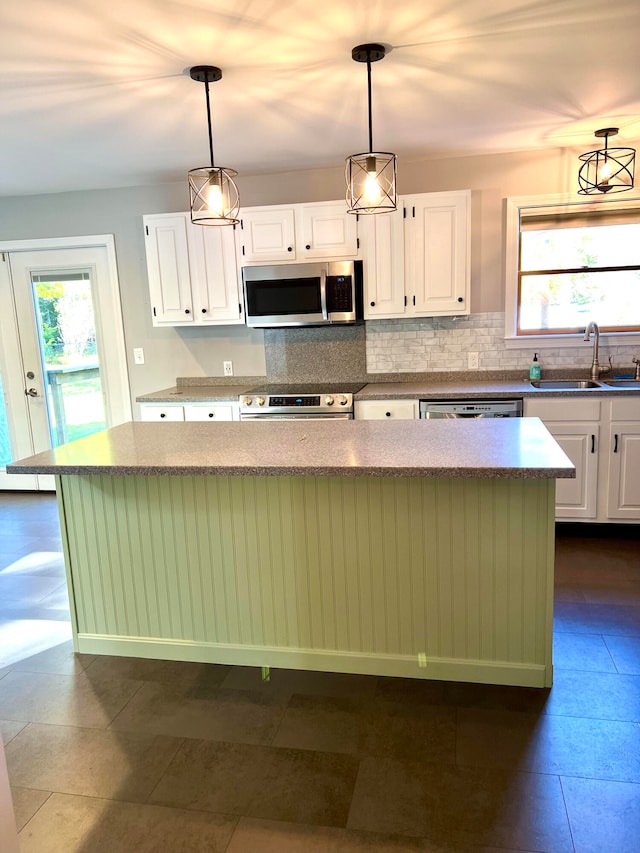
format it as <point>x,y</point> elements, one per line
<point>386,410</point>
<point>156,412</point>
<point>212,412</point>
<point>267,234</point>
<point>578,498</point>
<point>214,275</point>
<point>327,231</point>
<point>437,253</point>
<point>382,238</point>
<point>168,268</point>
<point>623,499</point>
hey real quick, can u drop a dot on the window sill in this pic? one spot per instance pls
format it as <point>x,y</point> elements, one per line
<point>542,342</point>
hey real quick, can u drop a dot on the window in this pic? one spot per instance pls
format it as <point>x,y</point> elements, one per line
<point>572,263</point>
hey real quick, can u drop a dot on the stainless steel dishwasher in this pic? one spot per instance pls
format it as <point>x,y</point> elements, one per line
<point>430,409</point>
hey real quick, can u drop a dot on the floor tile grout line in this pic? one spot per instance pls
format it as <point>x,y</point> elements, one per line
<point>51,793</point>
<point>179,746</point>
<point>129,700</point>
<point>566,809</point>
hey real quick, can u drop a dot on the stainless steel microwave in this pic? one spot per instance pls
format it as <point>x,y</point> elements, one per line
<point>315,294</point>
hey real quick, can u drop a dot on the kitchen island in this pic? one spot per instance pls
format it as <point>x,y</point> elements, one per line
<point>415,548</point>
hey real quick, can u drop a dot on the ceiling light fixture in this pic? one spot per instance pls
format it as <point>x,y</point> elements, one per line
<point>215,199</point>
<point>609,170</point>
<point>371,177</point>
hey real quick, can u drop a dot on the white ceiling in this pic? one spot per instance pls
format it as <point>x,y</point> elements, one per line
<point>96,93</point>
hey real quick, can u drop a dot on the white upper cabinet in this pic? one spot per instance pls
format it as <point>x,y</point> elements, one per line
<point>193,272</point>
<point>437,253</point>
<point>297,233</point>
<point>383,253</point>
<point>417,259</point>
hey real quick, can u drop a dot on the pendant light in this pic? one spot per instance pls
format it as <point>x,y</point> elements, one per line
<point>371,177</point>
<point>609,170</point>
<point>214,196</point>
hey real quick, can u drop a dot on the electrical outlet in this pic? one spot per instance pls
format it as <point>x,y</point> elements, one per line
<point>472,360</point>
<point>138,355</point>
<point>228,368</point>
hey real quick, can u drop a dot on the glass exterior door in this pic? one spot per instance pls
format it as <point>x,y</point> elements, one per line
<point>60,324</point>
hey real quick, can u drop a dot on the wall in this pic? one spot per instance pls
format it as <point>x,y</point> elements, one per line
<point>190,352</point>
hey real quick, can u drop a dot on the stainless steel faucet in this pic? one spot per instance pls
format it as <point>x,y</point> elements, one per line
<point>596,369</point>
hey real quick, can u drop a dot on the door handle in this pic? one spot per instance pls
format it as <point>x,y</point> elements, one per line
<point>31,392</point>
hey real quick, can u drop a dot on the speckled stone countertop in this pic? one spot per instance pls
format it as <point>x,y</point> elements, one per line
<point>197,394</point>
<point>420,389</point>
<point>426,389</point>
<point>509,448</point>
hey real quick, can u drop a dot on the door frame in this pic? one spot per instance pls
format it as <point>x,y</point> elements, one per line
<point>108,308</point>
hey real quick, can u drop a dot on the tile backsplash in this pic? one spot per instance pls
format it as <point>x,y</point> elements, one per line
<point>442,343</point>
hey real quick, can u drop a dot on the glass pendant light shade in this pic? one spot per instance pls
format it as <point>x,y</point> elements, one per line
<point>215,199</point>
<point>371,176</point>
<point>371,182</point>
<point>608,170</point>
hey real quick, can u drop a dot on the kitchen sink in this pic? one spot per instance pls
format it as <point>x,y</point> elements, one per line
<point>623,383</point>
<point>564,384</point>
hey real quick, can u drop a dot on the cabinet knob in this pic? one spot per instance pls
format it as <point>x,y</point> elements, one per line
<point>211,414</point>
<point>307,246</point>
<point>388,414</point>
<point>289,248</point>
<point>460,299</point>
<point>373,304</point>
<point>204,310</point>
<point>162,415</point>
<point>187,311</point>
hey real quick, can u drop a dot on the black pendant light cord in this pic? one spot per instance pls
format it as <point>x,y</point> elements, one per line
<point>369,96</point>
<point>206,87</point>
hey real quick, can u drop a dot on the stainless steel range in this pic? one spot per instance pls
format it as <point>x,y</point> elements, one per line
<point>301,402</point>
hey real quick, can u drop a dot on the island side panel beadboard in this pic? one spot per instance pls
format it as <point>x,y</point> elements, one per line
<point>431,578</point>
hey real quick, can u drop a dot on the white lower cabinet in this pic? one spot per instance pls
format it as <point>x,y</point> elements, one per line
<point>153,412</point>
<point>623,498</point>
<point>386,410</point>
<point>602,439</point>
<point>190,412</point>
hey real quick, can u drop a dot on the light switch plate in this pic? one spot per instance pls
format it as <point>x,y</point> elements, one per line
<point>138,355</point>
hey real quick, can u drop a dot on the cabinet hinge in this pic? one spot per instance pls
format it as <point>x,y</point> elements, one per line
<point>146,228</point>
<point>154,311</point>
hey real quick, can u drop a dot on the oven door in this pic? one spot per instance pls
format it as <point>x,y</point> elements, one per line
<point>291,295</point>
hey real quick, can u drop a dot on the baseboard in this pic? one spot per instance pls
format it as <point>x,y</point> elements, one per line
<point>420,666</point>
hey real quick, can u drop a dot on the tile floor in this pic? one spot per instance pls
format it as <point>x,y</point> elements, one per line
<point>113,755</point>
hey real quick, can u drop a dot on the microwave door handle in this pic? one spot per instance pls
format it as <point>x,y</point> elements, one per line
<point>323,294</point>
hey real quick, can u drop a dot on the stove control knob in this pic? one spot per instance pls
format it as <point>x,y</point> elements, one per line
<point>260,401</point>
<point>247,401</point>
<point>328,401</point>
<point>342,400</point>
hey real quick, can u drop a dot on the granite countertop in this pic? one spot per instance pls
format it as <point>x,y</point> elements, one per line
<point>509,448</point>
<point>421,389</point>
<point>197,394</point>
<point>426,389</point>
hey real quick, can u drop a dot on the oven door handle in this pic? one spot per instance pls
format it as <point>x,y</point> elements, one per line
<point>323,294</point>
